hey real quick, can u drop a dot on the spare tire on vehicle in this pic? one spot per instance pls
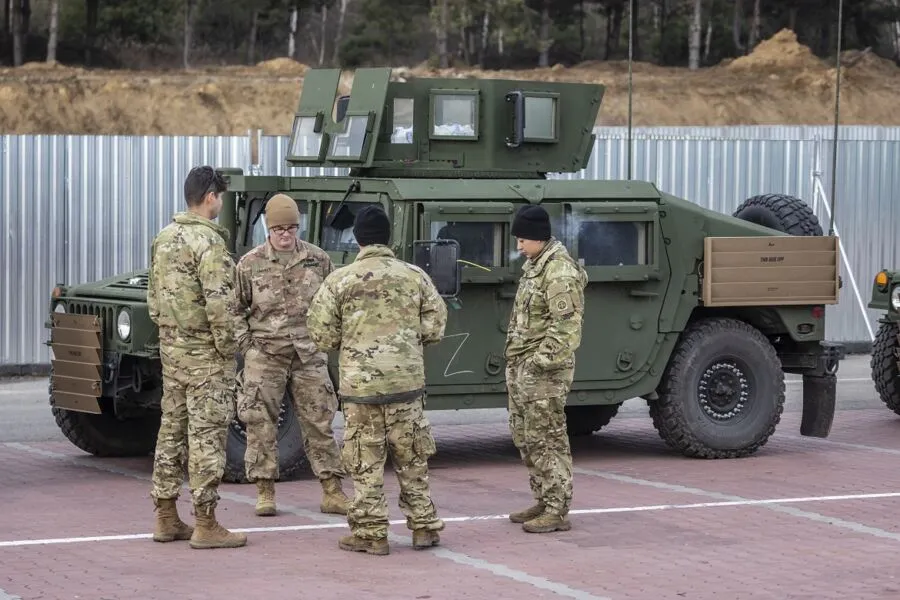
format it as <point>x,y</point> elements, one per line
<point>781,212</point>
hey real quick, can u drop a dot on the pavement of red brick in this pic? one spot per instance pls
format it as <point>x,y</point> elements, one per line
<point>802,519</point>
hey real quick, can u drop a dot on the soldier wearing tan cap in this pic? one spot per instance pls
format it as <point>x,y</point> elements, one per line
<point>275,282</point>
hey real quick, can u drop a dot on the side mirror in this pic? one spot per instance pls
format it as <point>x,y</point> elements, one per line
<point>440,259</point>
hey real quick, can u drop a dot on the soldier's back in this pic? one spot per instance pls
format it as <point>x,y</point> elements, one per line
<point>381,300</point>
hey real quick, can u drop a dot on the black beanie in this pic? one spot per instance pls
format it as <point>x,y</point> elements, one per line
<point>372,226</point>
<point>532,223</point>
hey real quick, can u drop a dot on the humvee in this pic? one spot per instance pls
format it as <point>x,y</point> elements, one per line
<point>701,314</point>
<point>885,360</point>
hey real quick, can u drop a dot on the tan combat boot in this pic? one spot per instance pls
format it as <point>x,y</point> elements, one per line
<point>352,543</point>
<point>334,500</point>
<point>169,526</point>
<point>265,497</point>
<point>209,534</point>
<point>546,523</point>
<point>425,538</point>
<point>527,514</point>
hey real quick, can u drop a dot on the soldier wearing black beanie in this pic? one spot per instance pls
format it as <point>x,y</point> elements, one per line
<point>543,335</point>
<point>532,223</point>
<point>372,226</point>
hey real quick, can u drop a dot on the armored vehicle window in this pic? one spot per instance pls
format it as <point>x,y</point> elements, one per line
<point>454,115</point>
<point>613,243</point>
<point>305,141</point>
<point>337,225</point>
<point>402,121</point>
<point>480,242</point>
<point>349,143</point>
<point>261,231</point>
<point>540,118</point>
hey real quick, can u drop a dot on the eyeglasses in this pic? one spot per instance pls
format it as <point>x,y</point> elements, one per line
<point>281,230</point>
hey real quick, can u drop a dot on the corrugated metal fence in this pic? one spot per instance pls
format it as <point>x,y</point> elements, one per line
<point>78,208</point>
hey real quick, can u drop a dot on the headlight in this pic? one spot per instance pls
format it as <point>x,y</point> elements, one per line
<point>123,324</point>
<point>895,297</point>
<point>60,307</point>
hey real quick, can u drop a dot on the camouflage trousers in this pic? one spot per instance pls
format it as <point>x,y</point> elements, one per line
<point>265,379</point>
<point>370,432</point>
<point>197,406</point>
<point>537,421</point>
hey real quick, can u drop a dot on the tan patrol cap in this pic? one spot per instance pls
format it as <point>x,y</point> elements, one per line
<point>282,210</point>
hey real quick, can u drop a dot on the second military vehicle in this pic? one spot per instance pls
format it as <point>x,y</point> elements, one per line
<point>885,362</point>
<point>699,313</point>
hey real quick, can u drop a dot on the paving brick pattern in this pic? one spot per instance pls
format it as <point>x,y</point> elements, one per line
<point>816,550</point>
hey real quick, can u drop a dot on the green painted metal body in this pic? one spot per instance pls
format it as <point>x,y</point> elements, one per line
<point>881,296</point>
<point>643,289</point>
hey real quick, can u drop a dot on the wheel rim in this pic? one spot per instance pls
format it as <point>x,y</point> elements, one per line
<point>724,390</point>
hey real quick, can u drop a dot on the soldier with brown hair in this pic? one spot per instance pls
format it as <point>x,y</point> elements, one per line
<point>190,297</point>
<point>380,312</point>
<point>275,282</point>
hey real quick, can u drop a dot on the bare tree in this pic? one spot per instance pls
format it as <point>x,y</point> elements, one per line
<point>54,29</point>
<point>440,19</point>
<point>339,34</point>
<point>15,21</point>
<point>292,32</point>
<point>755,26</point>
<point>694,40</point>
<point>738,25</point>
<point>323,31</point>
<point>254,27</point>
<point>188,30</point>
<point>545,40</point>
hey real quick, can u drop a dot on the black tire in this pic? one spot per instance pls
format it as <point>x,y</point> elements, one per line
<point>885,364</point>
<point>781,212</point>
<point>585,420</point>
<point>728,353</point>
<point>291,455</point>
<point>106,435</point>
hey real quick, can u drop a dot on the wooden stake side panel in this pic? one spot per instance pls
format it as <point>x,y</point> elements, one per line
<point>770,271</point>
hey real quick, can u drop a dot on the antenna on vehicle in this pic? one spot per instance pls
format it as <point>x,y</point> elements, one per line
<point>837,110</point>
<point>630,53</point>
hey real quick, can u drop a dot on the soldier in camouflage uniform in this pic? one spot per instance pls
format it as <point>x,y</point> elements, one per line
<point>190,298</point>
<point>275,282</point>
<point>379,312</point>
<point>544,332</point>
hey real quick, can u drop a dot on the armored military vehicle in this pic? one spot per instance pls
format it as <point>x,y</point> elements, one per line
<point>885,361</point>
<point>701,314</point>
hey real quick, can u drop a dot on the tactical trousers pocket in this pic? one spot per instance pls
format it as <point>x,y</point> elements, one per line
<point>250,408</point>
<point>219,409</point>
<point>423,441</point>
<point>350,451</point>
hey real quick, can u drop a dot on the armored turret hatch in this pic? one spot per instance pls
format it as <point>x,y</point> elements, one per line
<point>443,127</point>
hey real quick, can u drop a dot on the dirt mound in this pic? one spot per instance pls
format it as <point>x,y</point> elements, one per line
<point>780,83</point>
<point>781,51</point>
<point>283,66</point>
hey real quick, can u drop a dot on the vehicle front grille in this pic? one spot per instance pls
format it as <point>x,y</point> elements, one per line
<point>107,314</point>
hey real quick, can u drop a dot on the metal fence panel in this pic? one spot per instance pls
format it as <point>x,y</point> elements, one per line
<point>79,208</point>
<point>76,209</point>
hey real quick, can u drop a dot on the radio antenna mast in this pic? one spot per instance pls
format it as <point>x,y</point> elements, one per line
<point>837,109</point>
<point>630,54</point>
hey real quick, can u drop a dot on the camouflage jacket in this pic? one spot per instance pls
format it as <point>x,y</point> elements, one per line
<point>272,298</point>
<point>190,292</point>
<point>379,312</point>
<point>545,324</point>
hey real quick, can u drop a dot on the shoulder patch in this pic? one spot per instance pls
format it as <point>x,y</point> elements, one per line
<point>560,299</point>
